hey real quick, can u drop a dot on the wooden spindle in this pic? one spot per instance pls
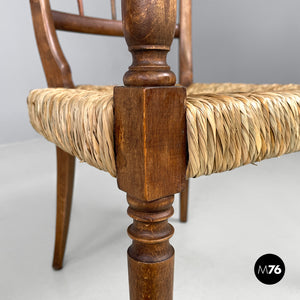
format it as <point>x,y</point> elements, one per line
<point>80,7</point>
<point>113,9</point>
<point>149,28</point>
<point>151,257</point>
<point>185,43</point>
<point>151,164</point>
<point>57,69</point>
<point>185,76</point>
<point>150,145</point>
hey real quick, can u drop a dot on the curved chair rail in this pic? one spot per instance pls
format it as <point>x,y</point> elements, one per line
<point>83,24</point>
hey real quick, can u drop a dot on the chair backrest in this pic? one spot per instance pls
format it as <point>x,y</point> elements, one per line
<point>113,8</point>
<point>57,70</point>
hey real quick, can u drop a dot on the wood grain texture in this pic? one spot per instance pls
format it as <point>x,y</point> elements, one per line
<point>83,24</point>
<point>65,179</point>
<point>151,143</point>
<point>157,282</point>
<point>58,74</point>
<point>56,67</point>
<point>151,257</point>
<point>151,132</point>
<point>149,28</point>
<point>70,22</point>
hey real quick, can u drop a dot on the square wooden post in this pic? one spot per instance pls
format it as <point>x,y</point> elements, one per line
<point>151,162</point>
<point>150,143</point>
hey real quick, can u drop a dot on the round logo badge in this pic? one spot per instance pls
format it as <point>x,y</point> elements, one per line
<point>269,269</point>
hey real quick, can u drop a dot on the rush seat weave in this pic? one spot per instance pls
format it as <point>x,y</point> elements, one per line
<point>228,125</point>
<point>79,121</point>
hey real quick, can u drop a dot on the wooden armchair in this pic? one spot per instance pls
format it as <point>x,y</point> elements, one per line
<point>58,74</point>
<point>151,134</point>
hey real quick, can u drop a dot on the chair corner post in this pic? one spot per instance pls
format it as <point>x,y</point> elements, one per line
<point>150,144</point>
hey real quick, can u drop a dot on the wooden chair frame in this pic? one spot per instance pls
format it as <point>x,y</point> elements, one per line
<point>151,161</point>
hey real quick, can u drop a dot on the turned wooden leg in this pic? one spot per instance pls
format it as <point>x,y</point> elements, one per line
<point>184,197</point>
<point>151,164</point>
<point>150,145</point>
<point>65,179</point>
<point>150,257</point>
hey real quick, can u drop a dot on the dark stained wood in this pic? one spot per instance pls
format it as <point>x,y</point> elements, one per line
<point>185,76</point>
<point>157,285</point>
<point>184,196</point>
<point>151,164</point>
<point>80,7</point>
<point>149,37</point>
<point>151,254</point>
<point>74,23</point>
<point>65,179</point>
<point>113,9</point>
<point>151,143</point>
<point>56,67</point>
<point>150,132</point>
<point>58,74</point>
<point>185,44</point>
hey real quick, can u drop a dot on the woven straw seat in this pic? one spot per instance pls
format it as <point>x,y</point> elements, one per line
<point>79,121</point>
<point>228,125</point>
